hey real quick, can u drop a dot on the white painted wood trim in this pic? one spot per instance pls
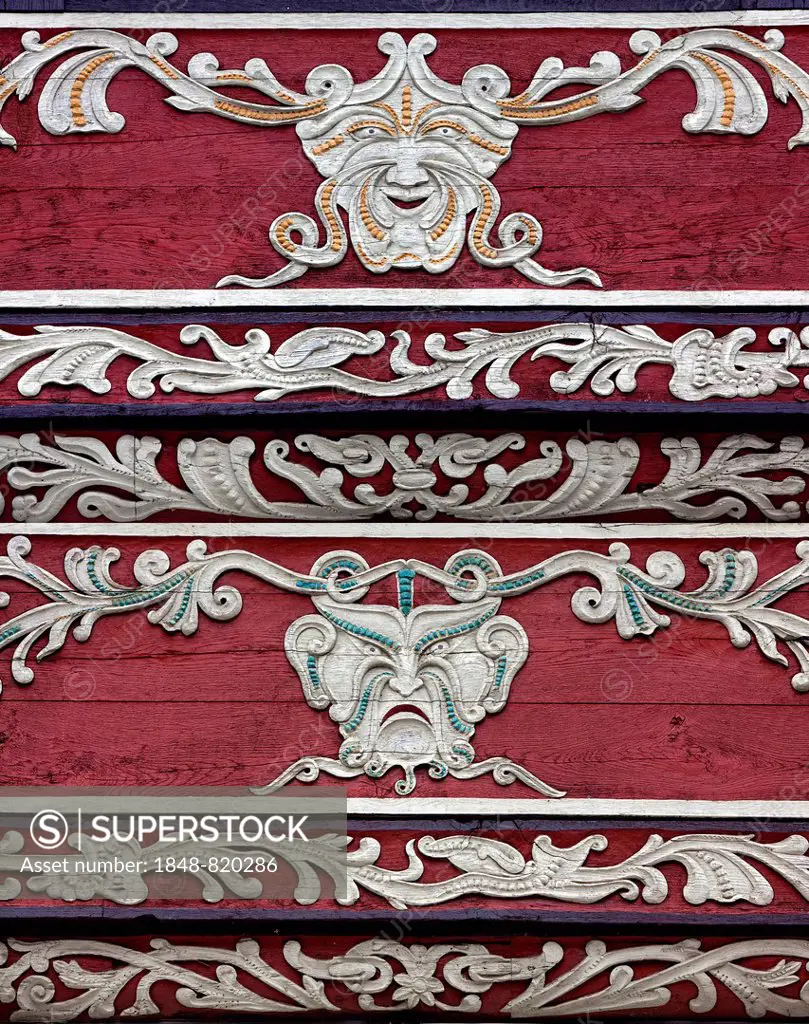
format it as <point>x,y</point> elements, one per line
<point>492,807</point>
<point>336,298</point>
<point>393,20</point>
<point>462,532</point>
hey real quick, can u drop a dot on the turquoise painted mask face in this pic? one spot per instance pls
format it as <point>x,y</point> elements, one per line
<point>406,685</point>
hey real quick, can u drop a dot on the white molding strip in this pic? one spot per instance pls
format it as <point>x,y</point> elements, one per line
<point>393,20</point>
<point>761,811</point>
<point>336,298</point>
<point>420,531</point>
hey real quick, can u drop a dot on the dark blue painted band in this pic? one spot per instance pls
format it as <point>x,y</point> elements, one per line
<point>690,316</point>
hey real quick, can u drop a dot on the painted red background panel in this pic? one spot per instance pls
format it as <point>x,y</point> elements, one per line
<point>177,200</point>
<point>682,716</point>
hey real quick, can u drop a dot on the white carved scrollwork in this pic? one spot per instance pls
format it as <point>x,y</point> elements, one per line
<point>407,156</point>
<point>741,471</point>
<point>559,980</point>
<point>703,366</point>
<point>718,868</point>
<point>449,664</point>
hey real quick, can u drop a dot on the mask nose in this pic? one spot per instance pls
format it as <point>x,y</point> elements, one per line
<point>406,169</point>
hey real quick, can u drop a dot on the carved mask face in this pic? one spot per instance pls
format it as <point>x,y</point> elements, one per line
<point>408,170</point>
<point>406,686</point>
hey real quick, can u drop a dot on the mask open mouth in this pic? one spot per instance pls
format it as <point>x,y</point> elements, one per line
<point>407,199</point>
<point>399,709</point>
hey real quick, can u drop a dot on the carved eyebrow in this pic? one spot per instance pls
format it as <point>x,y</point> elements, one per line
<point>370,123</point>
<point>477,140</point>
<point>327,144</point>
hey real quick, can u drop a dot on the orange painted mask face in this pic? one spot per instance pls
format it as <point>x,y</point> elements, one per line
<point>408,170</point>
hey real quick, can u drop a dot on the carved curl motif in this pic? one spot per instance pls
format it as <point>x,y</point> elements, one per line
<point>406,155</point>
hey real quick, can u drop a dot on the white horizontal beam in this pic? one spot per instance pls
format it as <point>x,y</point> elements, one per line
<point>336,298</point>
<point>760,811</point>
<point>418,532</point>
<point>394,20</point>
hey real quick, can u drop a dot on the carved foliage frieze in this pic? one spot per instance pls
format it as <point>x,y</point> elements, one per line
<point>608,358</point>
<point>589,478</point>
<point>722,869</point>
<point>756,977</point>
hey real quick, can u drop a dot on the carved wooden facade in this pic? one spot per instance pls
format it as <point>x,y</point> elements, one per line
<point>430,423</point>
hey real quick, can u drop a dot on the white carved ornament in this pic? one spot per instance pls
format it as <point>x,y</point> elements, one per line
<point>741,471</point>
<point>703,365</point>
<point>718,868</point>
<point>388,976</point>
<point>408,685</point>
<point>408,156</point>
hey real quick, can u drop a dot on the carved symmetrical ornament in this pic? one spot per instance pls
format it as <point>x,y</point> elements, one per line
<point>408,685</point>
<point>703,365</point>
<point>406,155</point>
<point>381,975</point>
<point>741,471</point>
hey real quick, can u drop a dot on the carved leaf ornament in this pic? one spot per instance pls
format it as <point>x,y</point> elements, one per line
<point>407,685</point>
<point>407,156</point>
<point>382,975</point>
<point>608,358</point>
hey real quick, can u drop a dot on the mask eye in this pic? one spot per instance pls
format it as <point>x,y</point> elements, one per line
<point>369,132</point>
<point>445,130</point>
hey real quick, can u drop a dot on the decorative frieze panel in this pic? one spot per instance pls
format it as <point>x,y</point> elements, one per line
<point>454,475</point>
<point>64,979</point>
<point>406,155</point>
<point>418,659</point>
<point>466,869</point>
<point>601,360</point>
<point>390,170</point>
